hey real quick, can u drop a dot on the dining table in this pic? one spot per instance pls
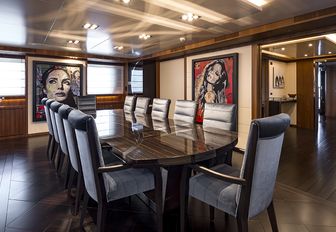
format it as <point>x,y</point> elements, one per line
<point>142,141</point>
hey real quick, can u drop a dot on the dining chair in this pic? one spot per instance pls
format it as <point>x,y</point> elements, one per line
<point>129,104</point>
<point>142,105</point>
<point>63,148</point>
<point>107,183</point>
<point>57,149</point>
<point>51,140</point>
<point>185,111</point>
<point>245,192</point>
<point>160,108</point>
<point>87,104</point>
<point>223,116</point>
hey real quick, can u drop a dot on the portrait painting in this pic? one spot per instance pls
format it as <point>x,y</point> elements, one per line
<point>214,80</point>
<point>58,81</point>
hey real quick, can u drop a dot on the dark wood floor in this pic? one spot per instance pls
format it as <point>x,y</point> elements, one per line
<point>32,197</point>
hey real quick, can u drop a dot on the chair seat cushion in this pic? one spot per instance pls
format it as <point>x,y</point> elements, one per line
<point>124,183</point>
<point>215,192</point>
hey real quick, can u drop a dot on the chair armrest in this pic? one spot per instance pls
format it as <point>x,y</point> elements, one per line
<point>113,168</point>
<point>221,176</point>
<point>236,149</point>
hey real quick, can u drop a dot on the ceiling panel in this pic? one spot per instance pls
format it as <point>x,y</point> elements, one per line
<point>50,24</point>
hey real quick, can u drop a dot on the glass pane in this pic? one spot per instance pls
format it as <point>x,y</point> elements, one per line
<point>12,77</point>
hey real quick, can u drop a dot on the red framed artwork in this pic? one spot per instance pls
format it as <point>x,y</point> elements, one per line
<point>214,80</point>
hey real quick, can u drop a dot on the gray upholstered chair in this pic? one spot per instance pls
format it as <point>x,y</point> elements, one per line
<point>51,140</point>
<point>223,116</point>
<point>142,105</point>
<point>57,148</point>
<point>59,129</point>
<point>185,111</point>
<point>246,192</point>
<point>129,104</point>
<point>220,115</point>
<point>161,124</point>
<point>87,104</point>
<point>160,108</point>
<point>107,183</point>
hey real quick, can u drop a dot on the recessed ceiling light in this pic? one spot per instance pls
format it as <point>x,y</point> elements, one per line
<point>90,26</point>
<point>182,39</point>
<point>258,3</point>
<point>305,54</point>
<point>126,1</point>
<point>76,42</point>
<point>283,49</point>
<point>118,48</point>
<point>70,41</point>
<point>144,36</point>
<point>189,17</point>
<point>329,52</point>
<point>310,45</point>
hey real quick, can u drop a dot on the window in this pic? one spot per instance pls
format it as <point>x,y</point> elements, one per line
<point>12,77</point>
<point>105,79</point>
<point>137,80</point>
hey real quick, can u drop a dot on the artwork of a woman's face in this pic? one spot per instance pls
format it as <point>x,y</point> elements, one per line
<point>58,85</point>
<point>214,73</point>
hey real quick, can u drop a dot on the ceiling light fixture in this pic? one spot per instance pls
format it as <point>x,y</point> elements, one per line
<point>305,54</point>
<point>283,49</point>
<point>76,42</point>
<point>310,45</point>
<point>90,26</point>
<point>329,52</point>
<point>144,36</point>
<point>70,41</point>
<point>190,17</point>
<point>182,39</point>
<point>118,48</point>
<point>256,3</point>
<point>126,1</point>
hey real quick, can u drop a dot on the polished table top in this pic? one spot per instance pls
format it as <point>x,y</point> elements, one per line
<point>140,139</point>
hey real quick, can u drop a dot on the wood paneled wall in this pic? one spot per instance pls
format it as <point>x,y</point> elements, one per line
<point>305,94</point>
<point>330,97</point>
<point>13,118</point>
<point>110,102</point>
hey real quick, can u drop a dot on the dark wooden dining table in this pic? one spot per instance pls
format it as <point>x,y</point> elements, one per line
<point>141,140</point>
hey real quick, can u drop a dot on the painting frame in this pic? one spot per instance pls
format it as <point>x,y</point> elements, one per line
<point>39,67</point>
<point>229,93</point>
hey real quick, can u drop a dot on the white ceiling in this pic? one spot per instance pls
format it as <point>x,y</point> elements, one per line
<point>49,24</point>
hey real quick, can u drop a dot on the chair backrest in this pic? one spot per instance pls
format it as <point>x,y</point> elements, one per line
<point>185,111</point>
<point>160,108</point>
<point>53,119</point>
<point>129,104</point>
<point>87,104</point>
<point>60,127</point>
<point>142,105</point>
<point>47,113</point>
<point>70,136</point>
<point>260,163</point>
<point>220,115</point>
<point>90,152</point>
<point>129,116</point>
<point>161,124</point>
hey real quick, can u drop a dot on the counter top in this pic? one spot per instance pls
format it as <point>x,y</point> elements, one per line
<point>282,100</point>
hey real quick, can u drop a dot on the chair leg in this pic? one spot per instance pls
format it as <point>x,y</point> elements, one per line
<point>83,212</point>
<point>158,199</point>
<point>228,158</point>
<point>242,224</point>
<point>212,213</point>
<point>184,196</point>
<point>60,162</point>
<point>101,216</point>
<point>71,180</point>
<point>68,169</point>
<point>79,192</point>
<point>272,217</point>
<point>49,145</point>
<point>53,152</point>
